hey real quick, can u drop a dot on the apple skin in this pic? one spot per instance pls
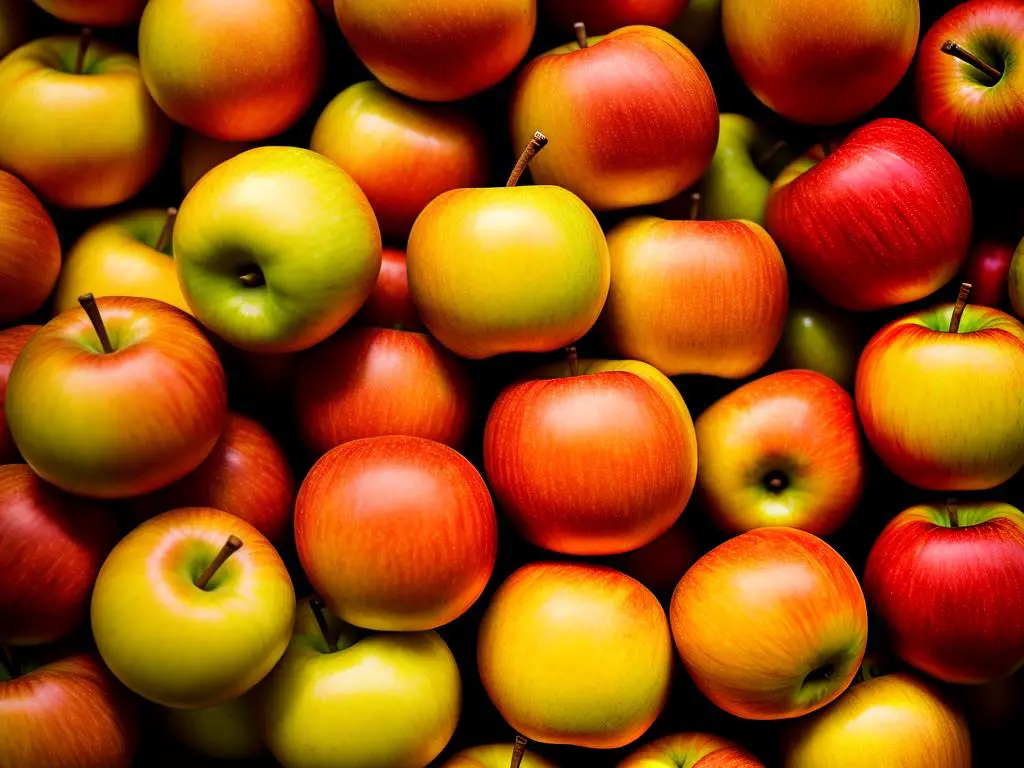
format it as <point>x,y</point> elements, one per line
<point>890,720</point>
<point>791,607</point>
<point>390,303</point>
<point>949,596</point>
<point>509,269</point>
<point>71,713</point>
<point>227,731</point>
<point>118,257</point>
<point>821,62</point>
<point>797,427</point>
<point>201,154</point>
<point>13,24</point>
<point>29,251</point>
<point>494,756</point>
<point>237,70</point>
<point>823,339</point>
<point>604,16</point>
<point>176,644</point>
<point>655,313</point>
<point>882,221</point>
<point>382,700</point>
<point>400,152</point>
<point>296,219</point>
<point>943,410</point>
<point>12,341</point>
<point>1015,280</point>
<point>698,750</point>
<point>98,13</point>
<point>438,50</point>
<point>734,187</point>
<point>368,382</point>
<point>988,271</point>
<point>632,119</point>
<point>981,120</point>
<point>54,545</point>
<point>80,141</point>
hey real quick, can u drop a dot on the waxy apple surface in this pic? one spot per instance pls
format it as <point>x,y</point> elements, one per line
<point>823,339</point>
<point>390,303</point>
<point>29,251</point>
<point>988,271</point>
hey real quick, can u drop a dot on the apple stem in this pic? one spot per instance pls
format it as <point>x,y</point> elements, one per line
<point>317,606</point>
<point>573,359</point>
<point>953,512</point>
<point>165,234</point>
<point>581,34</point>
<point>518,750</point>
<point>84,41</point>
<point>695,206</point>
<point>537,143</point>
<point>766,157</point>
<point>88,302</point>
<point>956,50</point>
<point>232,545</point>
<point>959,307</point>
<point>252,279</point>
<point>8,661</point>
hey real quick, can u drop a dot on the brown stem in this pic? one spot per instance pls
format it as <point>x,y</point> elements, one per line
<point>766,157</point>
<point>317,606</point>
<point>573,358</point>
<point>9,662</point>
<point>232,545</point>
<point>88,302</point>
<point>537,143</point>
<point>84,41</point>
<point>956,50</point>
<point>959,307</point>
<point>252,279</point>
<point>165,234</point>
<point>953,512</point>
<point>581,34</point>
<point>518,751</point>
<point>695,206</point>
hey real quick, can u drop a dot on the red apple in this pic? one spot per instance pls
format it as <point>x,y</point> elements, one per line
<point>396,533</point>
<point>390,304</point>
<point>988,271</point>
<point>691,750</point>
<point>883,220</point>
<point>604,16</point>
<point>368,382</point>
<point>946,582</point>
<point>12,341</point>
<point>29,251</point>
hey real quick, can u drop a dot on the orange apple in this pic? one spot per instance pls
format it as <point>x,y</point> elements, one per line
<point>29,251</point>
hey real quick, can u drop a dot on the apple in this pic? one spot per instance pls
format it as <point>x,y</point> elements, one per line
<point>276,249</point>
<point>192,608</point>
<point>969,81</point>
<point>820,338</point>
<point>945,583</point>
<point>988,271</point>
<point>494,756</point>
<point>349,699</point>
<point>396,533</point>
<point>99,13</point>
<point>237,70</point>
<point>13,24</point>
<point>940,395</point>
<point>890,720</point>
<point>883,220</point>
<point>699,26</point>
<point>390,304</point>
<point>368,382</point>
<point>704,297</point>
<point>604,16</point>
<point>631,116</point>
<point>696,750</point>
<point>70,713</point>
<point>438,50</point>
<point>593,461</point>
<point>76,122</point>
<point>400,152</point>
<point>781,450</point>
<point>29,251</point>
<point>821,62</point>
<point>1015,280</point>
<point>771,624</point>
<point>128,255</point>
<point>200,154</point>
<point>575,654</point>
<point>509,269</point>
<point>227,731</point>
<point>12,341</point>
<point>246,474</point>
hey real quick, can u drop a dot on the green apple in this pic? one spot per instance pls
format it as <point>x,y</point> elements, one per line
<point>820,338</point>
<point>1017,280</point>
<point>227,731</point>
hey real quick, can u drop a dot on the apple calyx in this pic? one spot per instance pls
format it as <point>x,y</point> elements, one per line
<point>776,481</point>
<point>581,34</point>
<point>316,605</point>
<point>537,143</point>
<point>168,231</point>
<point>953,512</point>
<point>573,359</point>
<point>518,751</point>
<point>84,41</point>
<point>952,48</point>
<point>959,307</point>
<point>88,302</point>
<point>252,277</point>
<point>232,545</point>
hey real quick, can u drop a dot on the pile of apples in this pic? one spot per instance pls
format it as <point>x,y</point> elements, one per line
<point>719,420</point>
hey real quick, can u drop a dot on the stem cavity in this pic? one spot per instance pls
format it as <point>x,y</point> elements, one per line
<point>88,302</point>
<point>954,49</point>
<point>537,143</point>
<point>232,545</point>
<point>953,512</point>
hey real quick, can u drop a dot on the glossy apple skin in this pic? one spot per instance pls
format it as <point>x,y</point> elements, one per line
<point>80,141</point>
<point>942,410</point>
<point>71,713</point>
<point>246,474</point>
<point>632,119</point>
<point>98,13</point>
<point>655,313</point>
<point>882,221</point>
<point>390,303</point>
<point>176,644</point>
<point>362,520</point>
<point>118,257</point>
<point>522,269</point>
<point>438,50</point>
<point>821,62</point>
<point>1015,280</point>
<point>699,750</point>
<point>12,341</point>
<point>400,152</point>
<point>988,271</point>
<point>789,604</point>
<point>29,251</point>
<point>237,70</point>
<point>13,24</point>
<point>823,339</point>
<point>368,382</point>
<point>244,215</point>
<point>494,756</point>
<point>54,545</point>
<point>604,16</point>
<point>948,597</point>
<point>227,731</point>
<point>799,425</point>
<point>890,720</point>
<point>200,154</point>
<point>93,423</point>
<point>734,187</point>
<point>595,464</point>
<point>382,700</point>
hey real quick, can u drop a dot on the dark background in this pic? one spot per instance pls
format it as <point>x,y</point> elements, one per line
<point>262,391</point>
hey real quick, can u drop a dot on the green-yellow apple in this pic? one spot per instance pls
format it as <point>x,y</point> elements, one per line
<point>276,249</point>
<point>227,731</point>
<point>237,70</point>
<point>390,304</point>
<point>691,750</point>
<point>12,341</point>
<point>700,25</point>
<point>97,13</point>
<point>576,654</point>
<point>13,24</point>
<point>604,16</point>
<point>192,608</point>
<point>494,756</point>
<point>83,409</point>
<point>77,123</point>
<point>820,338</point>
<point>508,269</point>
<point>200,153</point>
<point>29,251</point>
<point>343,698</point>
<point>1016,280</point>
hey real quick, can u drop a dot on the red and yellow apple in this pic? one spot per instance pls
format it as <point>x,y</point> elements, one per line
<point>988,271</point>
<point>604,16</point>
<point>12,341</point>
<point>29,251</point>
<point>201,154</point>
<point>390,304</point>
<point>691,750</point>
<point>97,13</point>
<point>494,756</point>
